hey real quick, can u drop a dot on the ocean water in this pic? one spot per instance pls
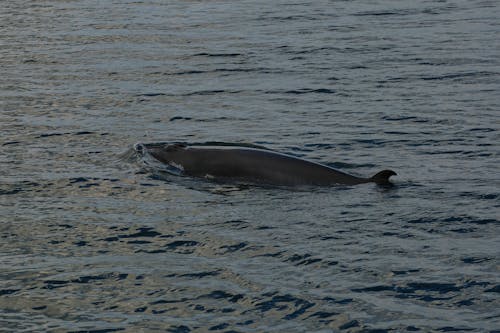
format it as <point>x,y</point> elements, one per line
<point>93,241</point>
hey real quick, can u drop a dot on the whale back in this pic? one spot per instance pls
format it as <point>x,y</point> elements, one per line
<point>253,164</point>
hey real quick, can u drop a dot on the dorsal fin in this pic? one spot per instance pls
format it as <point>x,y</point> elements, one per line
<point>382,177</point>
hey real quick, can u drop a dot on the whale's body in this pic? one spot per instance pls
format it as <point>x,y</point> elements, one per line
<point>254,165</point>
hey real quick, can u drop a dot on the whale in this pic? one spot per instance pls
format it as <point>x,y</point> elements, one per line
<point>251,164</point>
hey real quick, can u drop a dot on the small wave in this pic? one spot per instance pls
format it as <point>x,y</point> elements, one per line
<point>456,76</point>
<point>8,291</point>
<point>400,118</point>
<point>219,70</point>
<point>54,284</point>
<point>22,186</point>
<point>311,50</point>
<point>48,135</point>
<point>185,72</point>
<point>10,143</point>
<point>455,220</point>
<point>181,243</point>
<point>378,13</point>
<point>418,289</point>
<point>197,275</point>
<point>180,118</point>
<point>220,294</point>
<point>152,94</point>
<point>475,260</point>
<point>297,305</point>
<point>204,54</point>
<point>234,248</point>
<point>211,92</point>
<point>301,91</point>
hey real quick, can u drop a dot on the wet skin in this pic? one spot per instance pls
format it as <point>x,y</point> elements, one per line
<point>255,165</point>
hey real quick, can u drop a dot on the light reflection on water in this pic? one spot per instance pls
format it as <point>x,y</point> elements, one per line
<point>91,241</point>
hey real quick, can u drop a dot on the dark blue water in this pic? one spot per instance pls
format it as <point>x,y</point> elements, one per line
<point>92,241</point>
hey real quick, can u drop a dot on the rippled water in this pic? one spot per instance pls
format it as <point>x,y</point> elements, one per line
<point>92,241</point>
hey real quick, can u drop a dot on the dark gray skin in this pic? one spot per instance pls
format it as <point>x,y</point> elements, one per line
<point>249,164</point>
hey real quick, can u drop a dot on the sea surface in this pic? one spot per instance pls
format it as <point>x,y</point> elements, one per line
<point>92,240</point>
